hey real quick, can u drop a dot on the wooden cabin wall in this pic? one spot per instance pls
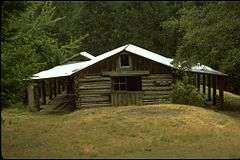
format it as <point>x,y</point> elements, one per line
<point>93,89</point>
<point>156,88</point>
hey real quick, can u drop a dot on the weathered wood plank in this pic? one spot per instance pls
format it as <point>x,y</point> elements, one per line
<point>94,87</point>
<point>125,73</point>
<point>209,87</point>
<point>214,88</point>
<point>94,79</point>
<point>95,99</point>
<point>155,96</point>
<point>83,105</point>
<point>162,88</point>
<point>157,92</point>
<point>162,76</point>
<point>126,98</point>
<point>151,81</point>
<point>100,91</point>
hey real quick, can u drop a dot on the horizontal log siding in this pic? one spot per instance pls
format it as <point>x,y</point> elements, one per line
<point>93,91</point>
<point>156,88</point>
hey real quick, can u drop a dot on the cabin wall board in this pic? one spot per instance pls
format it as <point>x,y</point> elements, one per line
<point>93,91</point>
<point>156,88</point>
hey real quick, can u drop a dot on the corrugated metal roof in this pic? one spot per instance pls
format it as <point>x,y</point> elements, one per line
<point>69,69</point>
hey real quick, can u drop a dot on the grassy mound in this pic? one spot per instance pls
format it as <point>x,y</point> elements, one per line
<point>164,131</point>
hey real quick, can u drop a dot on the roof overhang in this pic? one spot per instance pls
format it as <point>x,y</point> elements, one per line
<point>70,69</point>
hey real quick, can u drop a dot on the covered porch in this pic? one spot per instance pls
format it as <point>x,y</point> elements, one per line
<point>212,86</point>
<point>43,92</point>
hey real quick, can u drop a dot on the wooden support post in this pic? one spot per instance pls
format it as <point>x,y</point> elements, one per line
<point>59,86</point>
<point>33,98</point>
<point>50,89</point>
<point>198,82</point>
<point>63,84</point>
<point>54,87</point>
<point>43,92</point>
<point>204,83</point>
<point>68,85</point>
<point>221,89</point>
<point>39,92</point>
<point>214,89</point>
<point>209,87</point>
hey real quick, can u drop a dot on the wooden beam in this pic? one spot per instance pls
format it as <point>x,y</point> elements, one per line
<point>204,83</point>
<point>33,98</point>
<point>209,87</point>
<point>221,89</point>
<point>214,89</point>
<point>68,84</point>
<point>54,87</point>
<point>125,73</point>
<point>59,86</point>
<point>43,92</point>
<point>37,95</point>
<point>50,89</point>
<point>198,81</point>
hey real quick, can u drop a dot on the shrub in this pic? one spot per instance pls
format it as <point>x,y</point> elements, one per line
<point>185,93</point>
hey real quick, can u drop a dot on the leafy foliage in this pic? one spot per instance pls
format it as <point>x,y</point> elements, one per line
<point>185,93</point>
<point>29,49</point>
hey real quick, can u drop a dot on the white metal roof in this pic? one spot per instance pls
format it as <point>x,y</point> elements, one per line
<point>85,54</point>
<point>69,69</point>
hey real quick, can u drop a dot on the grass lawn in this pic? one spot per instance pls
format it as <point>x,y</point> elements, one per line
<point>162,131</point>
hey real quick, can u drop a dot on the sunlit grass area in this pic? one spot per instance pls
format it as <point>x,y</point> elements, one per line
<point>163,131</point>
<point>231,100</point>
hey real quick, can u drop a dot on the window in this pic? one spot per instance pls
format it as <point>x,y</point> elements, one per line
<point>124,60</point>
<point>131,83</point>
<point>120,83</point>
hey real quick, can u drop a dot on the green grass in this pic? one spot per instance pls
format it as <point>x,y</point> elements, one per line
<point>162,131</point>
<point>231,101</point>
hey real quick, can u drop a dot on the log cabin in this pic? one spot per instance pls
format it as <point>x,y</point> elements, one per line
<point>128,75</point>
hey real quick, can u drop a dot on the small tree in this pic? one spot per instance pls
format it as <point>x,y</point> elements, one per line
<point>183,91</point>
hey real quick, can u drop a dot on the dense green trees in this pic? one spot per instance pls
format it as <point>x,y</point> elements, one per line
<point>211,36</point>
<point>27,46</point>
<point>38,35</point>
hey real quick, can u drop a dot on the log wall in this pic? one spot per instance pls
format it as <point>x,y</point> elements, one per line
<point>93,91</point>
<point>156,88</point>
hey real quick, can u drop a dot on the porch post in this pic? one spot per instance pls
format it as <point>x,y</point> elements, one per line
<point>198,82</point>
<point>43,92</point>
<point>33,97</point>
<point>68,85</point>
<point>204,83</point>
<point>50,89</point>
<point>214,89</point>
<point>59,86</point>
<point>54,87</point>
<point>209,87</point>
<point>221,89</point>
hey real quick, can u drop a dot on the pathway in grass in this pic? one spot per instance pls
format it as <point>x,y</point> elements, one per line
<point>165,130</point>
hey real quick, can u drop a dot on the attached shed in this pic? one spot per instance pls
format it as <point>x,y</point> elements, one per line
<point>128,75</point>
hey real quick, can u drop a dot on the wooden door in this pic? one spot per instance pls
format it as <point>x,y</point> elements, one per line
<point>126,98</point>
